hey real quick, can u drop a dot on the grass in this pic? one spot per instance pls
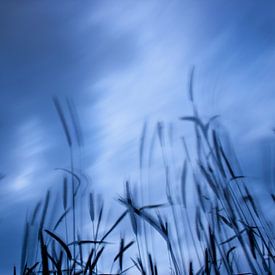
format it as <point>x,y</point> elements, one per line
<point>209,223</point>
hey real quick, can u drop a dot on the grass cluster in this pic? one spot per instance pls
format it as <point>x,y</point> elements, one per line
<point>209,223</point>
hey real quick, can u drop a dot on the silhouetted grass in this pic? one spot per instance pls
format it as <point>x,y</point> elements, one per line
<point>210,222</point>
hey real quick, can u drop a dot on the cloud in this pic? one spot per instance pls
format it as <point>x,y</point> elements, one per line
<point>122,64</point>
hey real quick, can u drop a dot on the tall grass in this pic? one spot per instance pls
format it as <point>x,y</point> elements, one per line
<point>210,222</point>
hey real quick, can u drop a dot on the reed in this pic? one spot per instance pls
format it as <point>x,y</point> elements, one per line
<point>209,223</point>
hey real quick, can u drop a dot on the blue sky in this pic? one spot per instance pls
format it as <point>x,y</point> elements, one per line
<point>123,62</point>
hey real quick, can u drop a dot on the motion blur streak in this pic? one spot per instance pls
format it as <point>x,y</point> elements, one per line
<point>123,63</point>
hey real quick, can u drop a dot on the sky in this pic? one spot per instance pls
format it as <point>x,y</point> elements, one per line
<point>123,63</point>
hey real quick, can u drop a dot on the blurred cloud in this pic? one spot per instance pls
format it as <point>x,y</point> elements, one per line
<point>124,63</point>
